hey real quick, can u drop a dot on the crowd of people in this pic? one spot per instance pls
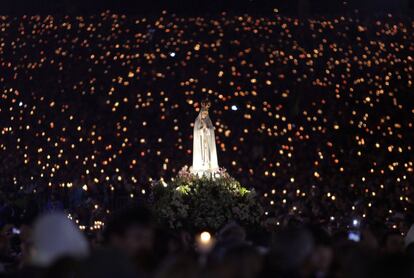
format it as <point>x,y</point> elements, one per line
<point>134,245</point>
<point>315,114</point>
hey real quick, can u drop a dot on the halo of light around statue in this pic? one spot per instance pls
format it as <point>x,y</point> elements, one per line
<point>196,203</point>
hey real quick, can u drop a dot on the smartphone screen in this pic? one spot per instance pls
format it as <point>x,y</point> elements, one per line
<point>16,231</point>
<point>354,236</point>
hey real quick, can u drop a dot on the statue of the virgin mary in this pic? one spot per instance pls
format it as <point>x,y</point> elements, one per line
<point>204,144</point>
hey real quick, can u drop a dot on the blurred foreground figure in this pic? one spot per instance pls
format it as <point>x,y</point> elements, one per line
<point>179,266</point>
<point>393,243</point>
<point>230,236</point>
<point>131,231</point>
<point>322,255</point>
<point>290,254</point>
<point>54,237</point>
<point>233,256</point>
<point>107,263</point>
<point>238,261</point>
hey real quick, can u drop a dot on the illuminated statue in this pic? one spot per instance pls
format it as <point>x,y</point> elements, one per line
<point>204,144</point>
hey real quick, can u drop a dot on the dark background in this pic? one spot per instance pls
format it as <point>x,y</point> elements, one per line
<point>302,7</point>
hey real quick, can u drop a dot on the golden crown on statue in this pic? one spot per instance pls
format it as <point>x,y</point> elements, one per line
<point>205,104</point>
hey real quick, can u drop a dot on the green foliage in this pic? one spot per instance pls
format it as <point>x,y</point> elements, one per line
<point>196,203</point>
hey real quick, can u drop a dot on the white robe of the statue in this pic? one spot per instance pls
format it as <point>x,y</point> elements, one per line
<point>204,147</point>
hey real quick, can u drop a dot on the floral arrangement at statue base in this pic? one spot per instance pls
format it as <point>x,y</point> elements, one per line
<point>207,202</point>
